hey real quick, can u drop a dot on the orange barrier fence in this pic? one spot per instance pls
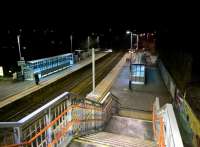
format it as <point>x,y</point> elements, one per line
<point>165,127</point>
<point>158,128</point>
<point>64,129</point>
<point>58,122</point>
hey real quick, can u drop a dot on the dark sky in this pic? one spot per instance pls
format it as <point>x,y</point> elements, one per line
<point>177,26</point>
<point>37,37</point>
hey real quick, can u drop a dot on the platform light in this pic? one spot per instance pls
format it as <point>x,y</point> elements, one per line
<point>128,32</point>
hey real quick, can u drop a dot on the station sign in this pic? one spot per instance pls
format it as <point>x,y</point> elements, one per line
<point>21,63</point>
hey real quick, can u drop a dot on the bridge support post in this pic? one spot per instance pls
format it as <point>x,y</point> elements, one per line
<point>17,135</point>
<point>48,120</point>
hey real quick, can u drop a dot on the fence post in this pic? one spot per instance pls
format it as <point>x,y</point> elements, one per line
<point>17,135</point>
<point>48,120</point>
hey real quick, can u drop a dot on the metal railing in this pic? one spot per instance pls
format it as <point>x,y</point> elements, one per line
<point>165,128</point>
<point>57,122</point>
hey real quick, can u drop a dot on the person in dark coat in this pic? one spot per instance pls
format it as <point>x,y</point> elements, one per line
<point>36,78</point>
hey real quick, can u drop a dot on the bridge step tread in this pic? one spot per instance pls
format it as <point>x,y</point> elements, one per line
<point>137,114</point>
<point>130,127</point>
<point>113,140</point>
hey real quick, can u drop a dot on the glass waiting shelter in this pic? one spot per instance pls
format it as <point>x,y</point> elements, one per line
<point>47,66</point>
<point>137,74</point>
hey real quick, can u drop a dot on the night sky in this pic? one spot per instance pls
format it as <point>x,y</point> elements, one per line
<point>41,40</point>
<point>45,30</point>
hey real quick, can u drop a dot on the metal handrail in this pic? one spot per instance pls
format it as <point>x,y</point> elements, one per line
<point>165,128</point>
<point>52,123</point>
<point>161,134</point>
<point>158,135</point>
<point>96,109</point>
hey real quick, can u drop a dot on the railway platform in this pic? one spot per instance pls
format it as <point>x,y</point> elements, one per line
<point>140,97</point>
<point>136,115</point>
<point>11,91</point>
<point>69,120</point>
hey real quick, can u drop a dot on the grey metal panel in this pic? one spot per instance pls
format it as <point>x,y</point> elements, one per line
<point>9,124</point>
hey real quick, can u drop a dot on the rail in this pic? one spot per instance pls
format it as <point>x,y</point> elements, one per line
<point>165,128</point>
<point>57,122</point>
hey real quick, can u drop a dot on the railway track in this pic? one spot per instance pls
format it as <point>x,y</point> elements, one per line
<point>79,82</point>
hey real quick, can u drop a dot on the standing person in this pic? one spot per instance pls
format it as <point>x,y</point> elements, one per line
<point>36,79</point>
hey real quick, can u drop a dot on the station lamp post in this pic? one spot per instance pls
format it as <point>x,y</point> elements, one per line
<point>71,42</point>
<point>21,61</point>
<point>93,71</point>
<point>131,33</point>
<point>97,41</point>
<point>19,47</point>
<point>88,42</point>
<point>137,40</point>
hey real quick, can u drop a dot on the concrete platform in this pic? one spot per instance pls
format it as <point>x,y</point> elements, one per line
<point>140,97</point>
<point>136,101</point>
<point>104,86</point>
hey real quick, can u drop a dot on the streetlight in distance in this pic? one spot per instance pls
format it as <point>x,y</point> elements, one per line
<point>21,61</point>
<point>71,42</point>
<point>88,40</point>
<point>98,42</point>
<point>137,39</point>
<point>129,32</point>
<point>19,47</point>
